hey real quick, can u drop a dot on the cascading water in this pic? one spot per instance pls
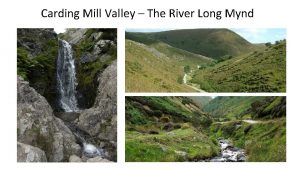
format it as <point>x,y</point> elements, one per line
<point>66,78</point>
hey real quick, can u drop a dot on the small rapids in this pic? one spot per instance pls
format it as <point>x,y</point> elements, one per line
<point>229,153</point>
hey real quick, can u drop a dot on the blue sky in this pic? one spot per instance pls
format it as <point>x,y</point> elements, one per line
<point>253,35</point>
<point>261,35</point>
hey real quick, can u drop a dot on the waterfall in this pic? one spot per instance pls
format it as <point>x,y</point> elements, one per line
<point>66,78</point>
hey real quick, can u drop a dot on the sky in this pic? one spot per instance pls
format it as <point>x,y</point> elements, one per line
<point>253,35</point>
<point>261,35</point>
<point>59,30</point>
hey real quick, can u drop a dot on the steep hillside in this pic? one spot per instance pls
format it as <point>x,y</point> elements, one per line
<point>229,107</point>
<point>176,129</point>
<point>214,43</point>
<point>268,108</point>
<point>258,71</point>
<point>37,50</point>
<point>264,141</point>
<point>201,101</point>
<point>158,67</point>
<point>166,129</point>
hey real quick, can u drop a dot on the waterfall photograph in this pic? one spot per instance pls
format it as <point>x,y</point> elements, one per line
<point>66,95</point>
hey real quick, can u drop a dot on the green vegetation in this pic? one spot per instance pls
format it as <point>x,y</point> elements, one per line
<point>230,107</point>
<point>158,68</point>
<point>213,43</point>
<point>264,141</point>
<point>166,129</point>
<point>156,62</point>
<point>169,146</point>
<point>177,129</point>
<point>36,60</point>
<point>87,72</point>
<point>259,71</point>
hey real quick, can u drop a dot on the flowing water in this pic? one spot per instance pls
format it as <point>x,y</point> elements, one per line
<point>229,153</point>
<point>66,77</point>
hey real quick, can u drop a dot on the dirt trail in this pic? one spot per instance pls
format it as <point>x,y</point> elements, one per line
<point>185,80</point>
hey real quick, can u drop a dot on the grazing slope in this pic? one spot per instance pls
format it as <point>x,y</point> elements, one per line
<point>158,67</point>
<point>176,129</point>
<point>214,43</point>
<point>166,129</point>
<point>229,107</point>
<point>201,101</point>
<point>259,71</point>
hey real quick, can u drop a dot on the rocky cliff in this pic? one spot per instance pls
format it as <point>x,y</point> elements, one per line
<point>36,59</point>
<point>44,132</point>
<point>39,128</point>
<point>100,121</point>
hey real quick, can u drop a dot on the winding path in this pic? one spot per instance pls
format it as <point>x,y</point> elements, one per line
<point>193,87</point>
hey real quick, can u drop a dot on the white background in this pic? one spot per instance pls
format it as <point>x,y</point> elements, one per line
<point>26,14</point>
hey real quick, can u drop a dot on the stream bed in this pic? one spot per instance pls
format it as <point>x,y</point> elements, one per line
<point>229,153</point>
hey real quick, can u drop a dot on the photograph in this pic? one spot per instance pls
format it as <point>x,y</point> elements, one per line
<point>205,129</point>
<point>206,60</point>
<point>66,95</point>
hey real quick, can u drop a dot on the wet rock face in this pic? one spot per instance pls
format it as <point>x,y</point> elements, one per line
<point>28,153</point>
<point>38,127</point>
<point>101,120</point>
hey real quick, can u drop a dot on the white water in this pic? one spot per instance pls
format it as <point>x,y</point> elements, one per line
<point>184,78</point>
<point>251,121</point>
<point>229,153</point>
<point>66,78</point>
<point>89,150</point>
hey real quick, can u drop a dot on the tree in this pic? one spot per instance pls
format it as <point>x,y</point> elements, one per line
<point>268,44</point>
<point>187,69</point>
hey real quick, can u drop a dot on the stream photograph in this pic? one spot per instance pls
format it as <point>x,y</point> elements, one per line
<point>205,129</point>
<point>66,95</point>
<point>205,60</point>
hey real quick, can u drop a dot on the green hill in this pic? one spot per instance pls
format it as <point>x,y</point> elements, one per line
<point>229,107</point>
<point>158,67</point>
<point>176,129</point>
<point>214,43</point>
<point>161,128</point>
<point>258,71</point>
<point>245,107</point>
<point>201,101</point>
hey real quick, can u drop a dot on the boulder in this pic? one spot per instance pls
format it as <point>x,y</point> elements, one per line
<point>75,158</point>
<point>98,159</point>
<point>74,36</point>
<point>28,153</point>
<point>100,121</point>
<point>38,127</point>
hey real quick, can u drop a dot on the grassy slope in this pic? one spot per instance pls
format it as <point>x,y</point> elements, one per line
<point>142,146</point>
<point>158,67</point>
<point>161,147</point>
<point>230,107</point>
<point>201,101</point>
<point>213,43</point>
<point>260,71</point>
<point>264,141</point>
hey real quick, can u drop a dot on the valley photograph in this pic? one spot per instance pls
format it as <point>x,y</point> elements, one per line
<point>205,129</point>
<point>205,60</point>
<point>66,95</point>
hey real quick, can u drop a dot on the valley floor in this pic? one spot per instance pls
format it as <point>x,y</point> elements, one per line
<point>263,140</point>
